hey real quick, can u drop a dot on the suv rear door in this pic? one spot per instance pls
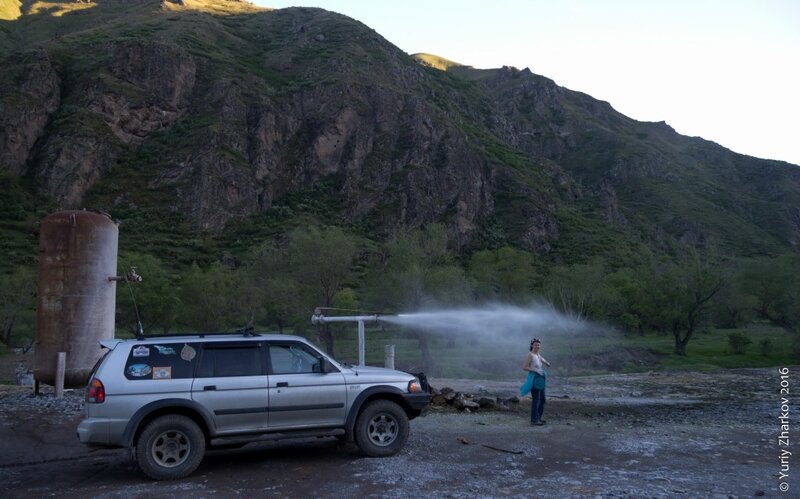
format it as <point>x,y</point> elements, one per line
<point>231,383</point>
<point>299,393</point>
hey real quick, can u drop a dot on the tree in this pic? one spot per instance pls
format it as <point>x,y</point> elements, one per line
<point>578,289</point>
<point>688,288</point>
<point>321,263</point>
<point>734,308</point>
<point>505,274</point>
<point>268,273</point>
<point>774,285</point>
<point>638,299</point>
<point>212,300</point>
<point>156,296</point>
<point>415,271</point>
<point>17,296</point>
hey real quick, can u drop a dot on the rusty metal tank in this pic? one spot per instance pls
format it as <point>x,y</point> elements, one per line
<point>76,300</point>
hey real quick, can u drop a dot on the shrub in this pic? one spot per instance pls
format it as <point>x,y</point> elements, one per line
<point>630,322</point>
<point>765,346</point>
<point>738,342</point>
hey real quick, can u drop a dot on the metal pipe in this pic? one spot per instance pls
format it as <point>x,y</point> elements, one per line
<point>388,359</point>
<point>322,319</point>
<point>319,318</point>
<point>361,347</point>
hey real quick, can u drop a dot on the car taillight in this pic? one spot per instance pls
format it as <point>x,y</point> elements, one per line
<point>95,392</point>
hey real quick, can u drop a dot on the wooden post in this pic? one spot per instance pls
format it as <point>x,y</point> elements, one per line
<point>388,359</point>
<point>61,366</point>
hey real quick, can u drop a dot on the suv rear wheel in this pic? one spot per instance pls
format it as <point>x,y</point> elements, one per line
<point>381,429</point>
<point>170,447</point>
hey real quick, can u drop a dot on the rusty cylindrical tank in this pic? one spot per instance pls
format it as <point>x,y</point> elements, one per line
<point>76,300</point>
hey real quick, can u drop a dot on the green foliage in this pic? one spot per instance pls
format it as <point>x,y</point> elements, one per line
<point>319,262</point>
<point>583,236</point>
<point>637,307</point>
<point>156,298</point>
<point>765,347</point>
<point>15,201</point>
<point>506,274</point>
<point>733,308</point>
<point>20,211</point>
<point>689,287</point>
<point>267,271</point>
<point>773,287</point>
<point>578,290</point>
<point>17,307</point>
<point>738,342</point>
<point>417,270</point>
<point>712,350</point>
<point>213,299</point>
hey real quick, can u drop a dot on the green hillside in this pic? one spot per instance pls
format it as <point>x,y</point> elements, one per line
<point>223,136</point>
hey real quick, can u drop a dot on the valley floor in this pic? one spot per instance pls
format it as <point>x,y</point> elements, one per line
<point>655,434</point>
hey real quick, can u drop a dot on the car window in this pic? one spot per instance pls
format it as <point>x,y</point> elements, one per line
<point>293,358</point>
<point>161,361</point>
<point>230,360</point>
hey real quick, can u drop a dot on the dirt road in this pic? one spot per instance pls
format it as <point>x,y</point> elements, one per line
<point>655,435</point>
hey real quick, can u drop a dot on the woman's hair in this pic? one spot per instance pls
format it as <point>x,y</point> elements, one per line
<point>535,340</point>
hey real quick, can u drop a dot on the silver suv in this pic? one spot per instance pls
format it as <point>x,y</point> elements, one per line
<point>171,398</point>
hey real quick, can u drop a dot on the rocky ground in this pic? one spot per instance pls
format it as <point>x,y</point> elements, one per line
<point>634,435</point>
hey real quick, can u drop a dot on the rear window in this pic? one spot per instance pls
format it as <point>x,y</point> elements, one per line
<point>167,361</point>
<point>223,360</point>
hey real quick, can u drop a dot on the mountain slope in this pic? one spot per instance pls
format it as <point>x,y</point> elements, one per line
<point>195,119</point>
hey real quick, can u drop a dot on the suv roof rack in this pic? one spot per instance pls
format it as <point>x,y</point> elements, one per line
<point>246,331</point>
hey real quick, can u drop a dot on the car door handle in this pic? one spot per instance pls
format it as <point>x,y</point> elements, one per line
<point>209,388</point>
<point>283,384</point>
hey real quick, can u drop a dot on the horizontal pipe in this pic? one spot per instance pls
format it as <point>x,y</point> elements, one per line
<point>321,319</point>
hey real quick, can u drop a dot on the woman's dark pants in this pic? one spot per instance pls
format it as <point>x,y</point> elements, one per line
<point>537,404</point>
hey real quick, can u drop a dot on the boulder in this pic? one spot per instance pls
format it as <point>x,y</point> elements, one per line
<point>487,403</point>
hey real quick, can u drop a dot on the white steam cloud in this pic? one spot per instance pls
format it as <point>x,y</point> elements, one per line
<point>506,324</point>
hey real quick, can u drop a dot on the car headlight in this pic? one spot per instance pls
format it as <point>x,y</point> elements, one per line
<point>414,386</point>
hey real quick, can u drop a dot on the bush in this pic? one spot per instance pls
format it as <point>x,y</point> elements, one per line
<point>738,342</point>
<point>630,322</point>
<point>765,346</point>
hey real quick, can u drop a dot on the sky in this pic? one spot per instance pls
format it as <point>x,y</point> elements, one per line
<point>724,70</point>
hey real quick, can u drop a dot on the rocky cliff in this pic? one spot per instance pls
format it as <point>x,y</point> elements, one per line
<point>218,111</point>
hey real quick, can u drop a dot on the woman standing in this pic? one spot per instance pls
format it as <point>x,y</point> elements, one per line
<point>534,364</point>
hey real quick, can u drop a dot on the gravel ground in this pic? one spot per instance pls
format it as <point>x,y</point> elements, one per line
<point>636,435</point>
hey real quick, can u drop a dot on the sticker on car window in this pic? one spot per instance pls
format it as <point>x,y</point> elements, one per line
<point>188,353</point>
<point>164,350</point>
<point>162,372</point>
<point>141,351</point>
<point>139,370</point>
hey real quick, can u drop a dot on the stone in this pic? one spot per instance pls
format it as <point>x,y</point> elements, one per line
<point>487,403</point>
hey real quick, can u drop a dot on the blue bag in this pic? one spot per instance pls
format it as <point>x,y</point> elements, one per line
<point>539,381</point>
<point>533,381</point>
<point>526,387</point>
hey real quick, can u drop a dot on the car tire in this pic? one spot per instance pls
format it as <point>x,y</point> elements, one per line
<point>170,447</point>
<point>381,428</point>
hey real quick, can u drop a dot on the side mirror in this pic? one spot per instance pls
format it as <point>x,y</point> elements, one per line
<point>324,366</point>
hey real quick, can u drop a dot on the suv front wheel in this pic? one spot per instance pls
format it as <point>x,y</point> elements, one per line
<point>170,447</point>
<point>381,429</point>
